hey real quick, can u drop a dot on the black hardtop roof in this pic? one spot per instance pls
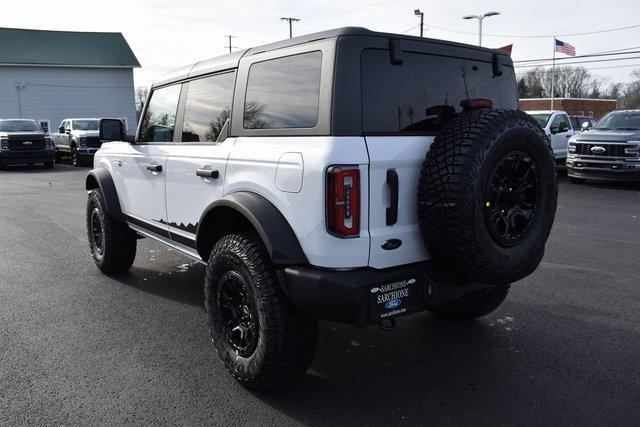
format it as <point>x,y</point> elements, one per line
<point>231,60</point>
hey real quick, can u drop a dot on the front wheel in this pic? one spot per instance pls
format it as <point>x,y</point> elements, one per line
<point>578,180</point>
<point>262,339</point>
<point>48,165</point>
<point>113,245</point>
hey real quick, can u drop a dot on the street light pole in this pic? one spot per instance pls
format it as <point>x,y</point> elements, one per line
<point>480,18</point>
<point>419,13</point>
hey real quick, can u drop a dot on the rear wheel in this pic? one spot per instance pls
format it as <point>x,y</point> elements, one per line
<point>75,157</point>
<point>48,165</point>
<point>113,245</point>
<point>262,339</point>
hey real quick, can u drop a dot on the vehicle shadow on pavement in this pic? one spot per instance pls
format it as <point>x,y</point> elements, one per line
<point>38,169</point>
<point>184,285</point>
<point>494,370</point>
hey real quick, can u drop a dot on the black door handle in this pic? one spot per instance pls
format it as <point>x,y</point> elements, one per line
<point>207,173</point>
<point>154,168</point>
<point>392,210</point>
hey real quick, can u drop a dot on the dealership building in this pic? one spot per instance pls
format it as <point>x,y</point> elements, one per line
<point>591,107</point>
<point>52,75</point>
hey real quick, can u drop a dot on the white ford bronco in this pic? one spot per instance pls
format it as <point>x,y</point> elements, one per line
<point>348,175</point>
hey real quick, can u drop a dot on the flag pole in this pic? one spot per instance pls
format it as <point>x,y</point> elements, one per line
<point>553,72</point>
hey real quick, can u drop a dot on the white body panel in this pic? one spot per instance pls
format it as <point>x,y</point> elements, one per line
<point>141,192</point>
<point>188,195</point>
<point>559,141</point>
<point>405,155</point>
<point>252,166</point>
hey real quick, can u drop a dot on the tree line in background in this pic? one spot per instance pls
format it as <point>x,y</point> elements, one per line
<point>578,82</point>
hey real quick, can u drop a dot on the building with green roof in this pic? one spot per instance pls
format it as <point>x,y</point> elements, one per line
<point>52,75</point>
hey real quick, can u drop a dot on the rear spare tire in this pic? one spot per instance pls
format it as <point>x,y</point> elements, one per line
<point>487,196</point>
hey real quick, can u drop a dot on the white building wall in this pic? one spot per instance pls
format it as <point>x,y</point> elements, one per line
<point>56,93</point>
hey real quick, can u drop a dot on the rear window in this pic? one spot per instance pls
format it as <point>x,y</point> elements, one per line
<point>284,93</point>
<point>423,93</point>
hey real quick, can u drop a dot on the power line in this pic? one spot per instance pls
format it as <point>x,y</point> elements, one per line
<point>520,36</point>
<point>592,55</point>
<point>578,62</point>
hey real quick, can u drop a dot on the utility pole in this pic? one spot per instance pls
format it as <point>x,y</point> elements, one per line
<point>419,13</point>
<point>291,20</point>
<point>230,46</point>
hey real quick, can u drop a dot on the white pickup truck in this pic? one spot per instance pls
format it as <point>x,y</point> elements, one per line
<point>557,126</point>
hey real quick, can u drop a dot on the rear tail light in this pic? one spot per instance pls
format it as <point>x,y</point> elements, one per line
<point>476,103</point>
<point>343,200</point>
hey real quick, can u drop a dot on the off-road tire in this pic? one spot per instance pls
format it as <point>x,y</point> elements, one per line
<point>452,190</point>
<point>48,165</point>
<point>119,241</point>
<point>287,338</point>
<point>472,305</point>
<point>578,180</point>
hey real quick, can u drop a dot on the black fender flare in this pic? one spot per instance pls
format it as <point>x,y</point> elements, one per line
<point>101,178</point>
<point>277,235</point>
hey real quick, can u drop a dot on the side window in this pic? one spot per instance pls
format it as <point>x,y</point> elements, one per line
<point>207,107</point>
<point>560,118</point>
<point>159,120</point>
<point>283,92</point>
<point>67,125</point>
<point>575,122</point>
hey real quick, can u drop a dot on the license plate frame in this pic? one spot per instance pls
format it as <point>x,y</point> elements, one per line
<point>395,297</point>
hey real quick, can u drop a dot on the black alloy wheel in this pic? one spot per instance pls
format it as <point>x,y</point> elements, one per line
<point>236,311</point>
<point>97,232</point>
<point>511,198</point>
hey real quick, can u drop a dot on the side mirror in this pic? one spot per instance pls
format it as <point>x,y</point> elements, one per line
<point>61,129</point>
<point>585,126</point>
<point>554,129</point>
<point>563,127</point>
<point>112,130</point>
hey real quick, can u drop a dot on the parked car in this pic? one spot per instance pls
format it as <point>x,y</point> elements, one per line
<point>22,141</point>
<point>582,122</point>
<point>609,151</point>
<point>559,128</point>
<point>344,175</point>
<point>77,138</point>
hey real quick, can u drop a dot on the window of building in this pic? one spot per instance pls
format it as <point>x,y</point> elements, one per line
<point>159,120</point>
<point>591,113</point>
<point>207,107</point>
<point>284,93</point>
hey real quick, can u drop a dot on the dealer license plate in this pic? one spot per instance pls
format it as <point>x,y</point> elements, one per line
<point>394,298</point>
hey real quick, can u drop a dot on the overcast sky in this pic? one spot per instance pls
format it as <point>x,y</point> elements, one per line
<point>167,34</point>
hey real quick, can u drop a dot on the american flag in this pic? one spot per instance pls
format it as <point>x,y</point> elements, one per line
<point>565,48</point>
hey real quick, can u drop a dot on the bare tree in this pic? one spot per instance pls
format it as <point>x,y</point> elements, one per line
<point>141,94</point>
<point>570,82</point>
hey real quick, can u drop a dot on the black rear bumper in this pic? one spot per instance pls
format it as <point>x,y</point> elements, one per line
<point>14,157</point>
<point>352,296</point>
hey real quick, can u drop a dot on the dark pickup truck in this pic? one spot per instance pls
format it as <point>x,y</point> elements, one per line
<point>609,151</point>
<point>22,141</point>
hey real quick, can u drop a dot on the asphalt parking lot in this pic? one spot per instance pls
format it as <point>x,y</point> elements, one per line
<point>77,347</point>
